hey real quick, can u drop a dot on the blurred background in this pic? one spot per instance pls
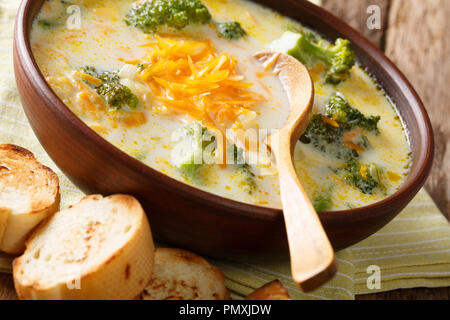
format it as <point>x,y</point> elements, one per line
<point>415,35</point>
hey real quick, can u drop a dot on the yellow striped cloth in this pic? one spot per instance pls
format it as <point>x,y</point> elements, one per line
<point>412,251</point>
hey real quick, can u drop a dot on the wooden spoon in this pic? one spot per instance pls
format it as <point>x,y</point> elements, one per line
<point>312,257</point>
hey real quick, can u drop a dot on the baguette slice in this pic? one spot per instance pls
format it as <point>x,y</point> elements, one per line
<point>29,193</point>
<point>101,248</point>
<point>271,291</point>
<point>183,275</point>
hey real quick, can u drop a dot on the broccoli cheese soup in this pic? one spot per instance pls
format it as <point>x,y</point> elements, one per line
<point>168,80</point>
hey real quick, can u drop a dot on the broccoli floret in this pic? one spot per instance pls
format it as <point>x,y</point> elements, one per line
<point>327,138</point>
<point>196,139</point>
<point>57,17</point>
<point>191,171</point>
<point>47,24</point>
<point>340,110</point>
<point>115,94</point>
<point>141,156</point>
<point>330,132</point>
<point>326,131</point>
<point>322,202</point>
<point>365,178</point>
<point>339,57</point>
<point>247,179</point>
<point>305,47</point>
<point>198,143</point>
<point>230,30</point>
<point>151,14</point>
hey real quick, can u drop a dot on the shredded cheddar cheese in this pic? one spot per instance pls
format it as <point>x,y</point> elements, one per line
<point>331,122</point>
<point>351,135</point>
<point>189,77</point>
<point>89,79</point>
<point>354,146</point>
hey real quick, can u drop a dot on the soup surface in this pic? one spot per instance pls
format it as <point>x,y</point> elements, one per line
<point>152,91</point>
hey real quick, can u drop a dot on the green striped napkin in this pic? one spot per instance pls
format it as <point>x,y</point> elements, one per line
<point>412,251</point>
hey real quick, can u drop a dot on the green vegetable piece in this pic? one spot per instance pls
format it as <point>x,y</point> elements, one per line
<point>350,205</point>
<point>327,139</point>
<point>365,180</point>
<point>196,139</point>
<point>230,30</point>
<point>339,109</point>
<point>115,94</point>
<point>322,202</point>
<point>339,58</point>
<point>330,139</point>
<point>247,179</point>
<point>57,17</point>
<point>141,156</point>
<point>178,14</point>
<point>47,24</point>
<point>191,171</point>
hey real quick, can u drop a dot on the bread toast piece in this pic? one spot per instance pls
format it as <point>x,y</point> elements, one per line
<point>100,248</point>
<point>271,291</point>
<point>183,275</point>
<point>29,193</point>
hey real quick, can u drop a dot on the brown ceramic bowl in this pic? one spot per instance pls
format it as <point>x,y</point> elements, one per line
<point>190,218</point>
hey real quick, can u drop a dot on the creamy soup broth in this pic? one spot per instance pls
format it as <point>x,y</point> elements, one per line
<point>107,43</point>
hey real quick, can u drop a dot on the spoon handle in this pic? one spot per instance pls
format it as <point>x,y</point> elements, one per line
<point>312,257</point>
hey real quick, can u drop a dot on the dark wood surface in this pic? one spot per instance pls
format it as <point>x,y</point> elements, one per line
<point>7,291</point>
<point>416,36</point>
<point>408,27</point>
<point>423,55</point>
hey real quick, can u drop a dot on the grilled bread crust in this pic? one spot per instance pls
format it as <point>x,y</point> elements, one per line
<point>29,193</point>
<point>183,275</point>
<point>100,248</point>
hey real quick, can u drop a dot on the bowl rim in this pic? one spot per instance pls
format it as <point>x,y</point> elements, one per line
<point>22,49</point>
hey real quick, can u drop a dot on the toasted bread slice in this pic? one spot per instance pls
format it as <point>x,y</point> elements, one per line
<point>183,275</point>
<point>271,291</point>
<point>101,248</point>
<point>29,193</point>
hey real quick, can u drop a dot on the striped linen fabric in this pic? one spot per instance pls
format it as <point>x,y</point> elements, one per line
<point>412,251</point>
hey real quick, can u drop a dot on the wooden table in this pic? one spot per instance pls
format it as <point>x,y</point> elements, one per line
<point>415,34</point>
